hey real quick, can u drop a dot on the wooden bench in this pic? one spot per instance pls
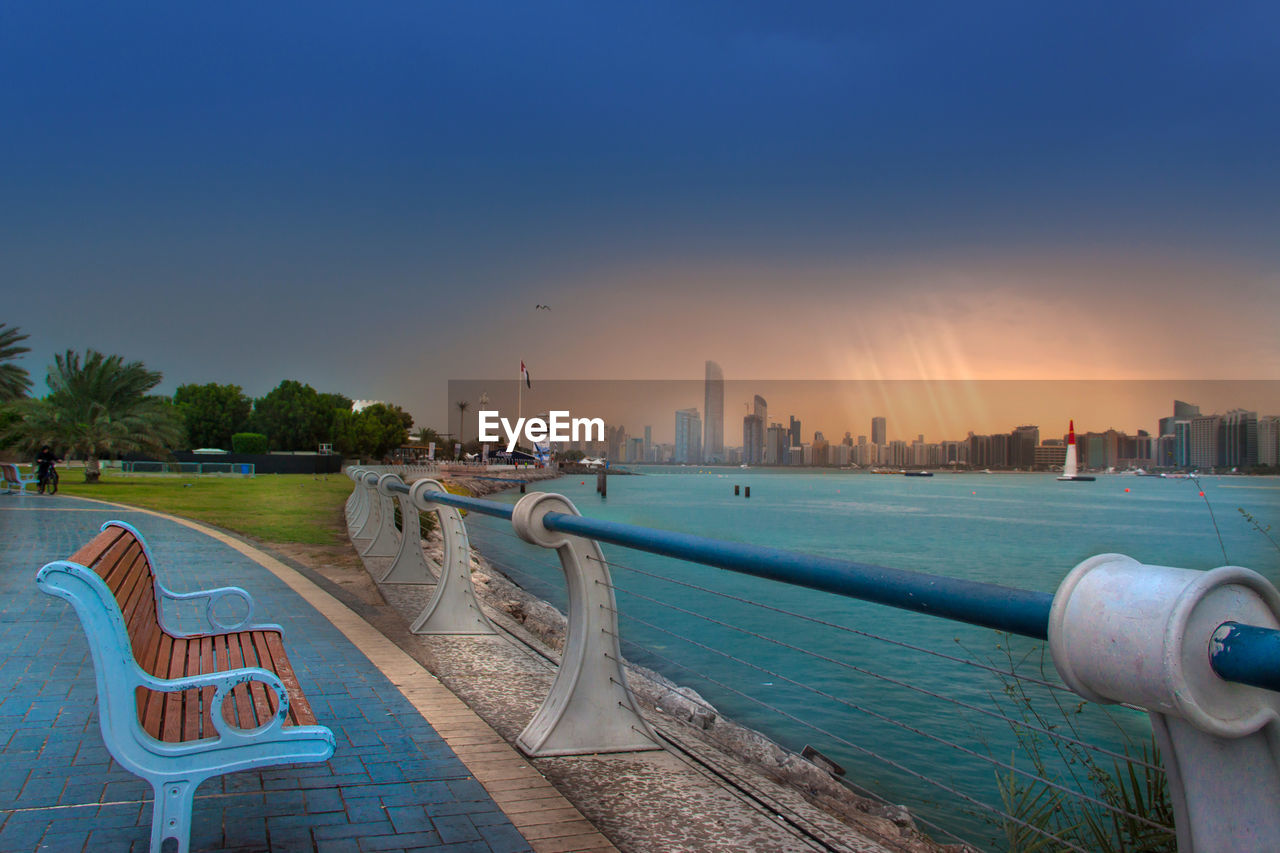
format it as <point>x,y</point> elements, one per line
<point>11,475</point>
<point>179,708</point>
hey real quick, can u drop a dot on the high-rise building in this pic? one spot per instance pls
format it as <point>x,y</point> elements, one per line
<point>877,431</point>
<point>713,408</point>
<point>776,445</point>
<point>794,432</point>
<point>688,437</point>
<point>759,408</point>
<point>648,440</point>
<point>1203,450</point>
<point>1025,439</point>
<point>1269,440</point>
<point>1181,412</point>
<point>752,440</point>
<point>1239,438</point>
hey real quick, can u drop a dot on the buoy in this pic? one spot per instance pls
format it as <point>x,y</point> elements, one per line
<point>735,490</point>
<point>973,493</point>
<point>1126,490</point>
<point>1202,494</point>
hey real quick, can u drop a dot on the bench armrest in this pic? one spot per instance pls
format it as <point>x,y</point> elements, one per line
<point>213,596</point>
<point>223,683</point>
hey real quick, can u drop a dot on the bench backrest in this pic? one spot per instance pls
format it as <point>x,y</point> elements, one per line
<point>119,558</point>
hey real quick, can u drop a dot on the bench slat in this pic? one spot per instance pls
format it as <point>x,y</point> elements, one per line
<point>300,713</point>
<point>93,550</point>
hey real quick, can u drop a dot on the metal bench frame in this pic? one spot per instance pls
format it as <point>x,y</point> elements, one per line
<point>175,770</point>
<point>12,476</point>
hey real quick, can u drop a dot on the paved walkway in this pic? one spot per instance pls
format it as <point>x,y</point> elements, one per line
<point>396,782</point>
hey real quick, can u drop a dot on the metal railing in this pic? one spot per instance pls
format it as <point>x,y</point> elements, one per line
<point>1198,652</point>
<point>224,469</point>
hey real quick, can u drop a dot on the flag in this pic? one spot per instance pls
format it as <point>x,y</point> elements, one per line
<point>524,372</point>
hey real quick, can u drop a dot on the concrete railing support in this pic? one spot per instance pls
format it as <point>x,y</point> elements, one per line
<point>590,708</point>
<point>1121,631</point>
<point>453,608</point>
<point>358,503</point>
<point>386,539</point>
<point>410,564</point>
<point>366,527</point>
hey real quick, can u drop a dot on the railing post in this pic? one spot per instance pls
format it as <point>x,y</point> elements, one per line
<point>590,708</point>
<point>453,608</point>
<point>1121,631</point>
<point>367,526</point>
<point>410,564</point>
<point>357,503</point>
<point>386,541</point>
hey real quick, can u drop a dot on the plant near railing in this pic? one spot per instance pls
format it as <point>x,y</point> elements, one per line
<point>1126,806</point>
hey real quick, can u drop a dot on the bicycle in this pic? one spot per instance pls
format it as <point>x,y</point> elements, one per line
<point>48,480</point>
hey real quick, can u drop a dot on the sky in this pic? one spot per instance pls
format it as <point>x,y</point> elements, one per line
<point>373,197</point>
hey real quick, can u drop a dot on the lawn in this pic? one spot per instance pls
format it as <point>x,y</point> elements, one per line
<point>283,508</point>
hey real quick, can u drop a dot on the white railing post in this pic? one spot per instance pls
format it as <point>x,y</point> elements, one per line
<point>590,708</point>
<point>367,526</point>
<point>453,608</point>
<point>386,539</point>
<point>1121,631</point>
<point>357,503</point>
<point>410,564</point>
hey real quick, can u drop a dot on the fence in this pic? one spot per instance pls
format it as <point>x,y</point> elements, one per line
<point>239,469</point>
<point>1195,653</point>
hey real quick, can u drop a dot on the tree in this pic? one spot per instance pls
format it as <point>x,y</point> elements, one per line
<point>371,432</point>
<point>294,417</point>
<point>97,406</point>
<point>212,413</point>
<point>14,380</point>
<point>463,405</point>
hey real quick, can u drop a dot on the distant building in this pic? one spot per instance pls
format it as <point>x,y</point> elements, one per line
<point>794,431</point>
<point>1239,442</point>
<point>1269,440</point>
<point>752,440</point>
<point>713,408</point>
<point>1022,448</point>
<point>688,448</point>
<point>1203,451</point>
<point>776,444</point>
<point>648,441</point>
<point>877,431</point>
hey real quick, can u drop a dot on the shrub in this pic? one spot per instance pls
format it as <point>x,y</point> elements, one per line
<point>249,442</point>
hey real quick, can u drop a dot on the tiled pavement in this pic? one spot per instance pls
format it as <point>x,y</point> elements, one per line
<point>393,783</point>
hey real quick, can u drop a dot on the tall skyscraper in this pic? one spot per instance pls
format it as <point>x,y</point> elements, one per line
<point>713,408</point>
<point>752,440</point>
<point>1204,451</point>
<point>760,409</point>
<point>1239,442</point>
<point>688,437</point>
<point>1269,440</point>
<point>794,432</point>
<point>648,441</point>
<point>877,431</point>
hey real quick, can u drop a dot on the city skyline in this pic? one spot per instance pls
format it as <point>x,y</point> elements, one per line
<point>939,410</point>
<point>239,194</point>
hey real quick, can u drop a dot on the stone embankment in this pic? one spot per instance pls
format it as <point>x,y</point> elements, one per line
<point>650,806</point>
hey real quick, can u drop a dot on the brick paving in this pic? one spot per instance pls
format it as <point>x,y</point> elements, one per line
<point>393,784</point>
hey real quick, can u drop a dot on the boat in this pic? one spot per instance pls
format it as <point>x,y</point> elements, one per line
<point>1069,466</point>
<point>917,473</point>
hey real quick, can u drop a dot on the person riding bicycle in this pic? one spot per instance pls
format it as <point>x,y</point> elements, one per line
<point>45,473</point>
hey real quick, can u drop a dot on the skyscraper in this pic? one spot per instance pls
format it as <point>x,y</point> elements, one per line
<point>713,408</point>
<point>877,431</point>
<point>760,409</point>
<point>752,440</point>
<point>794,432</point>
<point>688,436</point>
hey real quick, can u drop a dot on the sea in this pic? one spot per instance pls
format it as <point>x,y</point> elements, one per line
<point>919,711</point>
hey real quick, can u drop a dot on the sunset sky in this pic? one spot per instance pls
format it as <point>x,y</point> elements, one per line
<point>372,197</point>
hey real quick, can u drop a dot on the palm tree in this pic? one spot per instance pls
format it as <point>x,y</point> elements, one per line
<point>96,407</point>
<point>14,380</point>
<point>463,405</point>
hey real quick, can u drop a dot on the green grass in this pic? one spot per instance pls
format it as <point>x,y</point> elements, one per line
<point>272,507</point>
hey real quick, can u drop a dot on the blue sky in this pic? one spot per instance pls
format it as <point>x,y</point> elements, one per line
<point>371,197</point>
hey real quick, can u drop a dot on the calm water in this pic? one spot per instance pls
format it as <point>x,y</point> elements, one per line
<point>1021,530</point>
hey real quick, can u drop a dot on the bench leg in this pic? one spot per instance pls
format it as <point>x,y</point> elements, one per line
<point>171,814</point>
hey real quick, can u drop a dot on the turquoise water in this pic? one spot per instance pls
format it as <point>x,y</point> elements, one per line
<point>1020,530</point>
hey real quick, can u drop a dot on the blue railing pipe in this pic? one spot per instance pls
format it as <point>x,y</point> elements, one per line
<point>1247,654</point>
<point>1003,608</point>
<point>493,508</point>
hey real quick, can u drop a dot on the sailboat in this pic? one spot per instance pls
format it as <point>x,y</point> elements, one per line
<point>1069,467</point>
